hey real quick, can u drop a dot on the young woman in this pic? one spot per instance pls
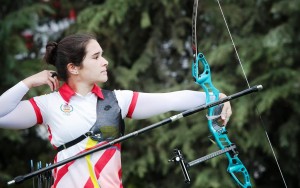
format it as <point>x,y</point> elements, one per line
<point>79,115</point>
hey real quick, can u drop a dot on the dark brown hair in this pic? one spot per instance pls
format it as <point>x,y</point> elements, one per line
<point>70,49</point>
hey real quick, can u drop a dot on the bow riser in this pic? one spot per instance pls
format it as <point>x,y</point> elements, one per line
<point>235,166</point>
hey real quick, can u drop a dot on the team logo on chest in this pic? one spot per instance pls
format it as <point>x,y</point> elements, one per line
<point>66,108</point>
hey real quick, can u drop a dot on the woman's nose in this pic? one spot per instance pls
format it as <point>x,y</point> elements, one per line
<point>104,62</point>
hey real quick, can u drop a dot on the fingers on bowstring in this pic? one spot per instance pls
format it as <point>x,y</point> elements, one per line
<point>56,80</point>
<point>53,74</point>
<point>53,81</point>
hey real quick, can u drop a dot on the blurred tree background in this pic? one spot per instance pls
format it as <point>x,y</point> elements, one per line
<point>148,45</point>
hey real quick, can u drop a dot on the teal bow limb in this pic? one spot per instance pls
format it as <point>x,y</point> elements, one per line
<point>235,168</point>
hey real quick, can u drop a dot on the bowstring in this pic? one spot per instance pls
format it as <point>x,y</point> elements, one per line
<point>194,27</point>
<point>245,76</point>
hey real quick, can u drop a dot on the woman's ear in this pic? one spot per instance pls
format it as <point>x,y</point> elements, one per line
<point>72,69</point>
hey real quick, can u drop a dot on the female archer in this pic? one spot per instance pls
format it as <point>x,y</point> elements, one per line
<point>80,115</point>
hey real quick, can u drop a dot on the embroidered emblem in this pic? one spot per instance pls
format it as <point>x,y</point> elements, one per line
<point>107,107</point>
<point>66,108</point>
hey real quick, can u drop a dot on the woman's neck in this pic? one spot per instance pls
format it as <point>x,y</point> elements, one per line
<point>80,87</point>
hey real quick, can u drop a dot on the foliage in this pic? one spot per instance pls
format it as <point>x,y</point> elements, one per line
<point>148,44</point>
<point>15,153</point>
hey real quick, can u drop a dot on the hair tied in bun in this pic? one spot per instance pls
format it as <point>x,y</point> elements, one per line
<point>52,45</point>
<point>51,50</point>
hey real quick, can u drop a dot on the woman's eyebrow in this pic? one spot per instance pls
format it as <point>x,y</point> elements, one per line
<point>97,53</point>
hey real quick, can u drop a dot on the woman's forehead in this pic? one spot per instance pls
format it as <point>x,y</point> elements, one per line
<point>93,47</point>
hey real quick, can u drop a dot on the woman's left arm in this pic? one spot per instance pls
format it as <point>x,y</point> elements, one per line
<point>150,104</point>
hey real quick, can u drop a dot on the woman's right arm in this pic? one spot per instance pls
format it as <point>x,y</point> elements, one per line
<point>17,114</point>
<point>14,113</point>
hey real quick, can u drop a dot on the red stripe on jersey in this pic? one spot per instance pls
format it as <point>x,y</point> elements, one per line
<point>104,159</point>
<point>37,110</point>
<point>120,176</point>
<point>100,164</point>
<point>50,136</point>
<point>55,169</point>
<point>132,104</point>
<point>61,172</point>
<point>89,184</point>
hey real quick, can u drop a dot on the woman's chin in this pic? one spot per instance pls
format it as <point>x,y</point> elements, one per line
<point>103,80</point>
